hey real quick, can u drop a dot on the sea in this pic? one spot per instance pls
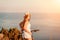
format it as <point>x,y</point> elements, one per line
<point>47,23</point>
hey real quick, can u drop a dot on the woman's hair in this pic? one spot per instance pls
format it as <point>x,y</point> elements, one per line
<point>23,22</point>
<point>27,15</point>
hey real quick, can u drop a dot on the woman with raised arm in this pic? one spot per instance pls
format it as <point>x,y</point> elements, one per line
<point>25,27</point>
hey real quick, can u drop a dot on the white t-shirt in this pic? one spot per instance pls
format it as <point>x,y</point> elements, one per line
<point>26,34</point>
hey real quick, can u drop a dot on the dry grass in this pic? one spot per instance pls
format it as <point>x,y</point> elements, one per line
<point>12,34</point>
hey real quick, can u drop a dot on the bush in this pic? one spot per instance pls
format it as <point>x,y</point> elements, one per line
<point>12,34</point>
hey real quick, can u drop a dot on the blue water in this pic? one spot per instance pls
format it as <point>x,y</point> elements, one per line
<point>48,24</point>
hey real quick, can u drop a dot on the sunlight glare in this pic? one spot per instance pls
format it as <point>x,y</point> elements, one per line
<point>58,1</point>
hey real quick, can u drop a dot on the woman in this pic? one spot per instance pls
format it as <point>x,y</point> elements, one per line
<point>25,27</point>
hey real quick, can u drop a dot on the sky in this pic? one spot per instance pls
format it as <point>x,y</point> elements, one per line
<point>40,6</point>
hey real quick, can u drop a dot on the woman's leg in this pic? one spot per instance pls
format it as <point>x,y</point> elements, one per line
<point>28,39</point>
